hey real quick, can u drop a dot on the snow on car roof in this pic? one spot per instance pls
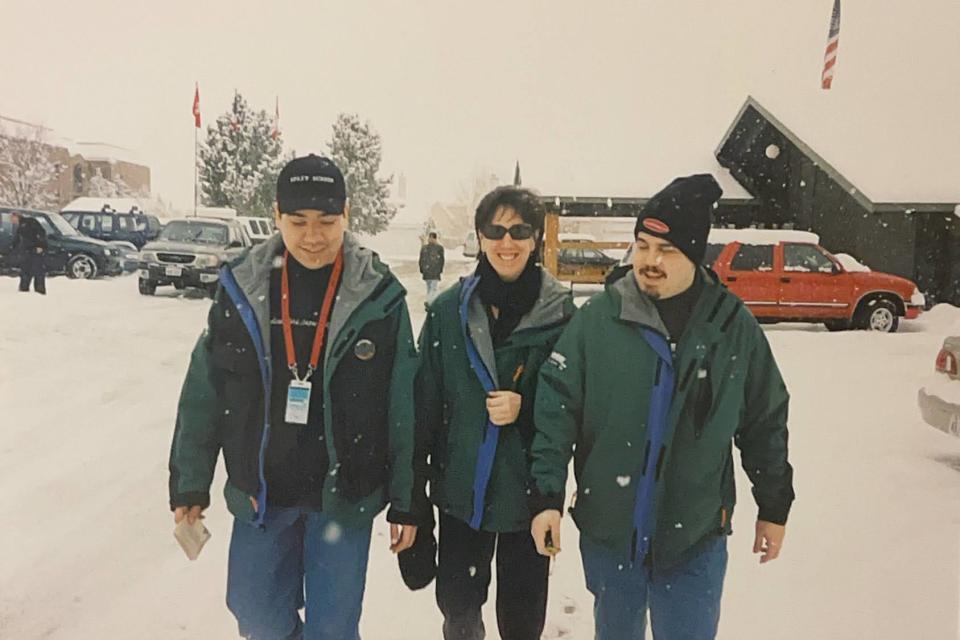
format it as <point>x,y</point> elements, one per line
<point>761,236</point>
<point>93,204</point>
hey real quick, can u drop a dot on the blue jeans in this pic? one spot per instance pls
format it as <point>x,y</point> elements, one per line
<point>684,601</point>
<point>299,558</point>
<point>432,287</point>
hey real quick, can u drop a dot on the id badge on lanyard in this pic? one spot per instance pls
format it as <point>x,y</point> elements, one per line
<point>299,390</point>
<point>298,402</point>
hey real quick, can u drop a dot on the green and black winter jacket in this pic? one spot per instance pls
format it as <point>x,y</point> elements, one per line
<point>451,403</point>
<point>368,417</point>
<point>594,402</point>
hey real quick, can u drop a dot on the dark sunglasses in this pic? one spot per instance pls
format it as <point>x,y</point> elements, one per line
<point>522,231</point>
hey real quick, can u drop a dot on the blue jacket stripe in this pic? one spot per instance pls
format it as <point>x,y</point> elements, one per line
<point>488,448</point>
<point>660,401</point>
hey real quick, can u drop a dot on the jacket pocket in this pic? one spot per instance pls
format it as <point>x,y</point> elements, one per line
<point>238,503</point>
<point>240,410</point>
<point>360,393</point>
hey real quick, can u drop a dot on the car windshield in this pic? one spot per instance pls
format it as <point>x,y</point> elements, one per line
<point>141,223</point>
<point>195,232</point>
<point>59,223</point>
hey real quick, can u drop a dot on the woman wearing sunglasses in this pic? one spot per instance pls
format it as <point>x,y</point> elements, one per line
<point>482,346</point>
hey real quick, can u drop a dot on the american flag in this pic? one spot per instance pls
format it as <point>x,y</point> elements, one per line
<point>833,42</point>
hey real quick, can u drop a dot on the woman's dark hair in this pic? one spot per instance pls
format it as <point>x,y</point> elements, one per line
<point>524,201</point>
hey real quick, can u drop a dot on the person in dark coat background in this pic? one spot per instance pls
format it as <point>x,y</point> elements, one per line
<point>31,242</point>
<point>431,265</point>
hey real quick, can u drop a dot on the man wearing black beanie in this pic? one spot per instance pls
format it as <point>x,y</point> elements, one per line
<point>647,388</point>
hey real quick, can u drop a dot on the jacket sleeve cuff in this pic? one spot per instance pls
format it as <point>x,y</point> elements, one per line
<point>538,502</point>
<point>191,499</point>
<point>395,516</point>
<point>776,515</point>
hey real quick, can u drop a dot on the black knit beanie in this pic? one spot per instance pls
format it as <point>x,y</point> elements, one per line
<point>681,214</point>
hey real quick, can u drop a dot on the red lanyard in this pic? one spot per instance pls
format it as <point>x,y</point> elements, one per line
<point>321,322</point>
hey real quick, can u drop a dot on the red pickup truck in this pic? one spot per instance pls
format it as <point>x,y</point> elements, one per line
<point>793,279</point>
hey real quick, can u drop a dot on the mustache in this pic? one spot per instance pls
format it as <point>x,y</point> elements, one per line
<point>652,272</point>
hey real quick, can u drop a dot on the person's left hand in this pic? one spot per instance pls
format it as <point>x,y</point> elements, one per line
<point>769,540</point>
<point>503,407</point>
<point>402,536</point>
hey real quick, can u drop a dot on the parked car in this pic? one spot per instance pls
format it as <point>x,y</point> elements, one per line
<point>471,245</point>
<point>786,276</point>
<point>129,255</point>
<point>189,252</point>
<point>803,282</point>
<point>68,251</point>
<point>582,261</point>
<point>940,400</point>
<point>136,228</point>
<point>259,229</point>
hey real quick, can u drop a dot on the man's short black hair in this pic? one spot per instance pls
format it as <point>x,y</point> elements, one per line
<point>524,201</point>
<point>433,235</point>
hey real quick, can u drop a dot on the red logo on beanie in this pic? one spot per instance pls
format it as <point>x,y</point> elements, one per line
<point>655,225</point>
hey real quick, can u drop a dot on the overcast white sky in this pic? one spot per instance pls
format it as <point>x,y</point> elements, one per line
<point>609,97</point>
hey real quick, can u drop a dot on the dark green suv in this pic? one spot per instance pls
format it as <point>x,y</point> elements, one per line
<point>68,251</point>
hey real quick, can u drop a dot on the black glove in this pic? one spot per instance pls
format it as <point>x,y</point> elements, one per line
<point>418,564</point>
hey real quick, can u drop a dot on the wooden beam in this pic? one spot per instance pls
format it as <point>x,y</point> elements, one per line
<point>551,234</point>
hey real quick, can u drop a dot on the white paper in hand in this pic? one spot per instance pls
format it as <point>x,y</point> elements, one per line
<point>191,537</point>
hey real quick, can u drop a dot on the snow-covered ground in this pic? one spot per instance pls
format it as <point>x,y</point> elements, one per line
<point>89,377</point>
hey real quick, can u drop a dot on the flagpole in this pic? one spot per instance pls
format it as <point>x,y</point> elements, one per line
<point>195,129</point>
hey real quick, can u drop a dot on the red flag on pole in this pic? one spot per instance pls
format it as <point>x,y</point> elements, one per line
<point>833,43</point>
<point>276,121</point>
<point>196,106</point>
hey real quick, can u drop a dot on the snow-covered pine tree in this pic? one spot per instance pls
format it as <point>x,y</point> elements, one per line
<point>101,187</point>
<point>356,149</point>
<point>27,172</point>
<point>240,161</point>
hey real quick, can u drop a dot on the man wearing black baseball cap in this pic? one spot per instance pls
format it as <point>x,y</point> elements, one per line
<point>649,412</point>
<point>304,378</point>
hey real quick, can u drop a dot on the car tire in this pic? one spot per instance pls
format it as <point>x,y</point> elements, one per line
<point>878,315</point>
<point>837,325</point>
<point>179,286</point>
<point>81,267</point>
<point>147,288</point>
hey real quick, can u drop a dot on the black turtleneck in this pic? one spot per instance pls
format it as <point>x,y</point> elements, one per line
<point>512,299</point>
<point>296,460</point>
<point>677,310</point>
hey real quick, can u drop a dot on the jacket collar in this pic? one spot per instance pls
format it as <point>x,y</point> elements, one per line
<point>359,280</point>
<point>638,308</point>
<point>553,306</point>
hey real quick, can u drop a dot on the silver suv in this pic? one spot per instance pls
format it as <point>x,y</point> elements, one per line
<point>188,254</point>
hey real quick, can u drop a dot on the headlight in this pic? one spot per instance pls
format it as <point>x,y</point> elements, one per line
<point>206,260</point>
<point>917,299</point>
<point>148,256</point>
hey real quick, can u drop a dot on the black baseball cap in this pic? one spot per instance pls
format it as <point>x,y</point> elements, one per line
<point>311,182</point>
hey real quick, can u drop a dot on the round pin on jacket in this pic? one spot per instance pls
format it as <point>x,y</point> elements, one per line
<point>365,349</point>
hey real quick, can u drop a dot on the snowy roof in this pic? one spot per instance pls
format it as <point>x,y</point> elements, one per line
<point>103,151</point>
<point>761,236</point>
<point>96,204</point>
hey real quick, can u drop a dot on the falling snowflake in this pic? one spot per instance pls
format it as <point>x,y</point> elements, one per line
<point>333,533</point>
